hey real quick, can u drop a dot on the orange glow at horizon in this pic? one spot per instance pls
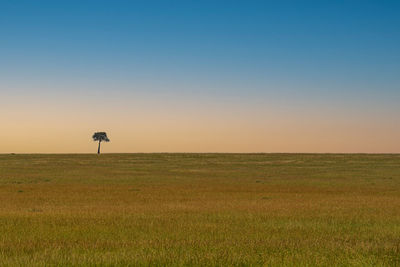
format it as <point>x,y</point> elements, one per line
<point>43,127</point>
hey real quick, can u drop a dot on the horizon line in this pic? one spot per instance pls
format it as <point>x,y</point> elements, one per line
<point>118,153</point>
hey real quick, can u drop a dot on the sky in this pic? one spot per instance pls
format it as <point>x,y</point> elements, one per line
<point>200,76</point>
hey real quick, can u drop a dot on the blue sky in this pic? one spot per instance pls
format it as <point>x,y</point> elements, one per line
<point>318,56</point>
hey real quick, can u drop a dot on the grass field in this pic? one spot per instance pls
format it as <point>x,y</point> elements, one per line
<point>200,209</point>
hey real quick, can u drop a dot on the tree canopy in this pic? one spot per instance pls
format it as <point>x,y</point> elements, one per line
<point>100,136</point>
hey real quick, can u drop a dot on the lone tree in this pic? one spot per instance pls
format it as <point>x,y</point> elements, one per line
<point>100,136</point>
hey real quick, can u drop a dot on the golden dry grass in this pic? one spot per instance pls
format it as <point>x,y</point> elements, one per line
<point>200,209</point>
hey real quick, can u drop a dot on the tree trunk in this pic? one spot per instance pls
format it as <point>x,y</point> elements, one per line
<point>98,150</point>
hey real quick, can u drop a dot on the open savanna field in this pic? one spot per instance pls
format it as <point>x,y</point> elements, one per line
<point>200,209</point>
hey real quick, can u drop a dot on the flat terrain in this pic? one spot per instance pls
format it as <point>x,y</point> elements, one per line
<point>200,209</point>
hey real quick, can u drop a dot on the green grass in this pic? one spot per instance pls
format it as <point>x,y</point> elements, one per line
<point>200,209</point>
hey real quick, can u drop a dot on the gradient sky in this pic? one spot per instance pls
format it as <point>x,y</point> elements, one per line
<point>200,76</point>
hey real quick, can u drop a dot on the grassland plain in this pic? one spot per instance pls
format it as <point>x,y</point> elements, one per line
<point>200,209</point>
